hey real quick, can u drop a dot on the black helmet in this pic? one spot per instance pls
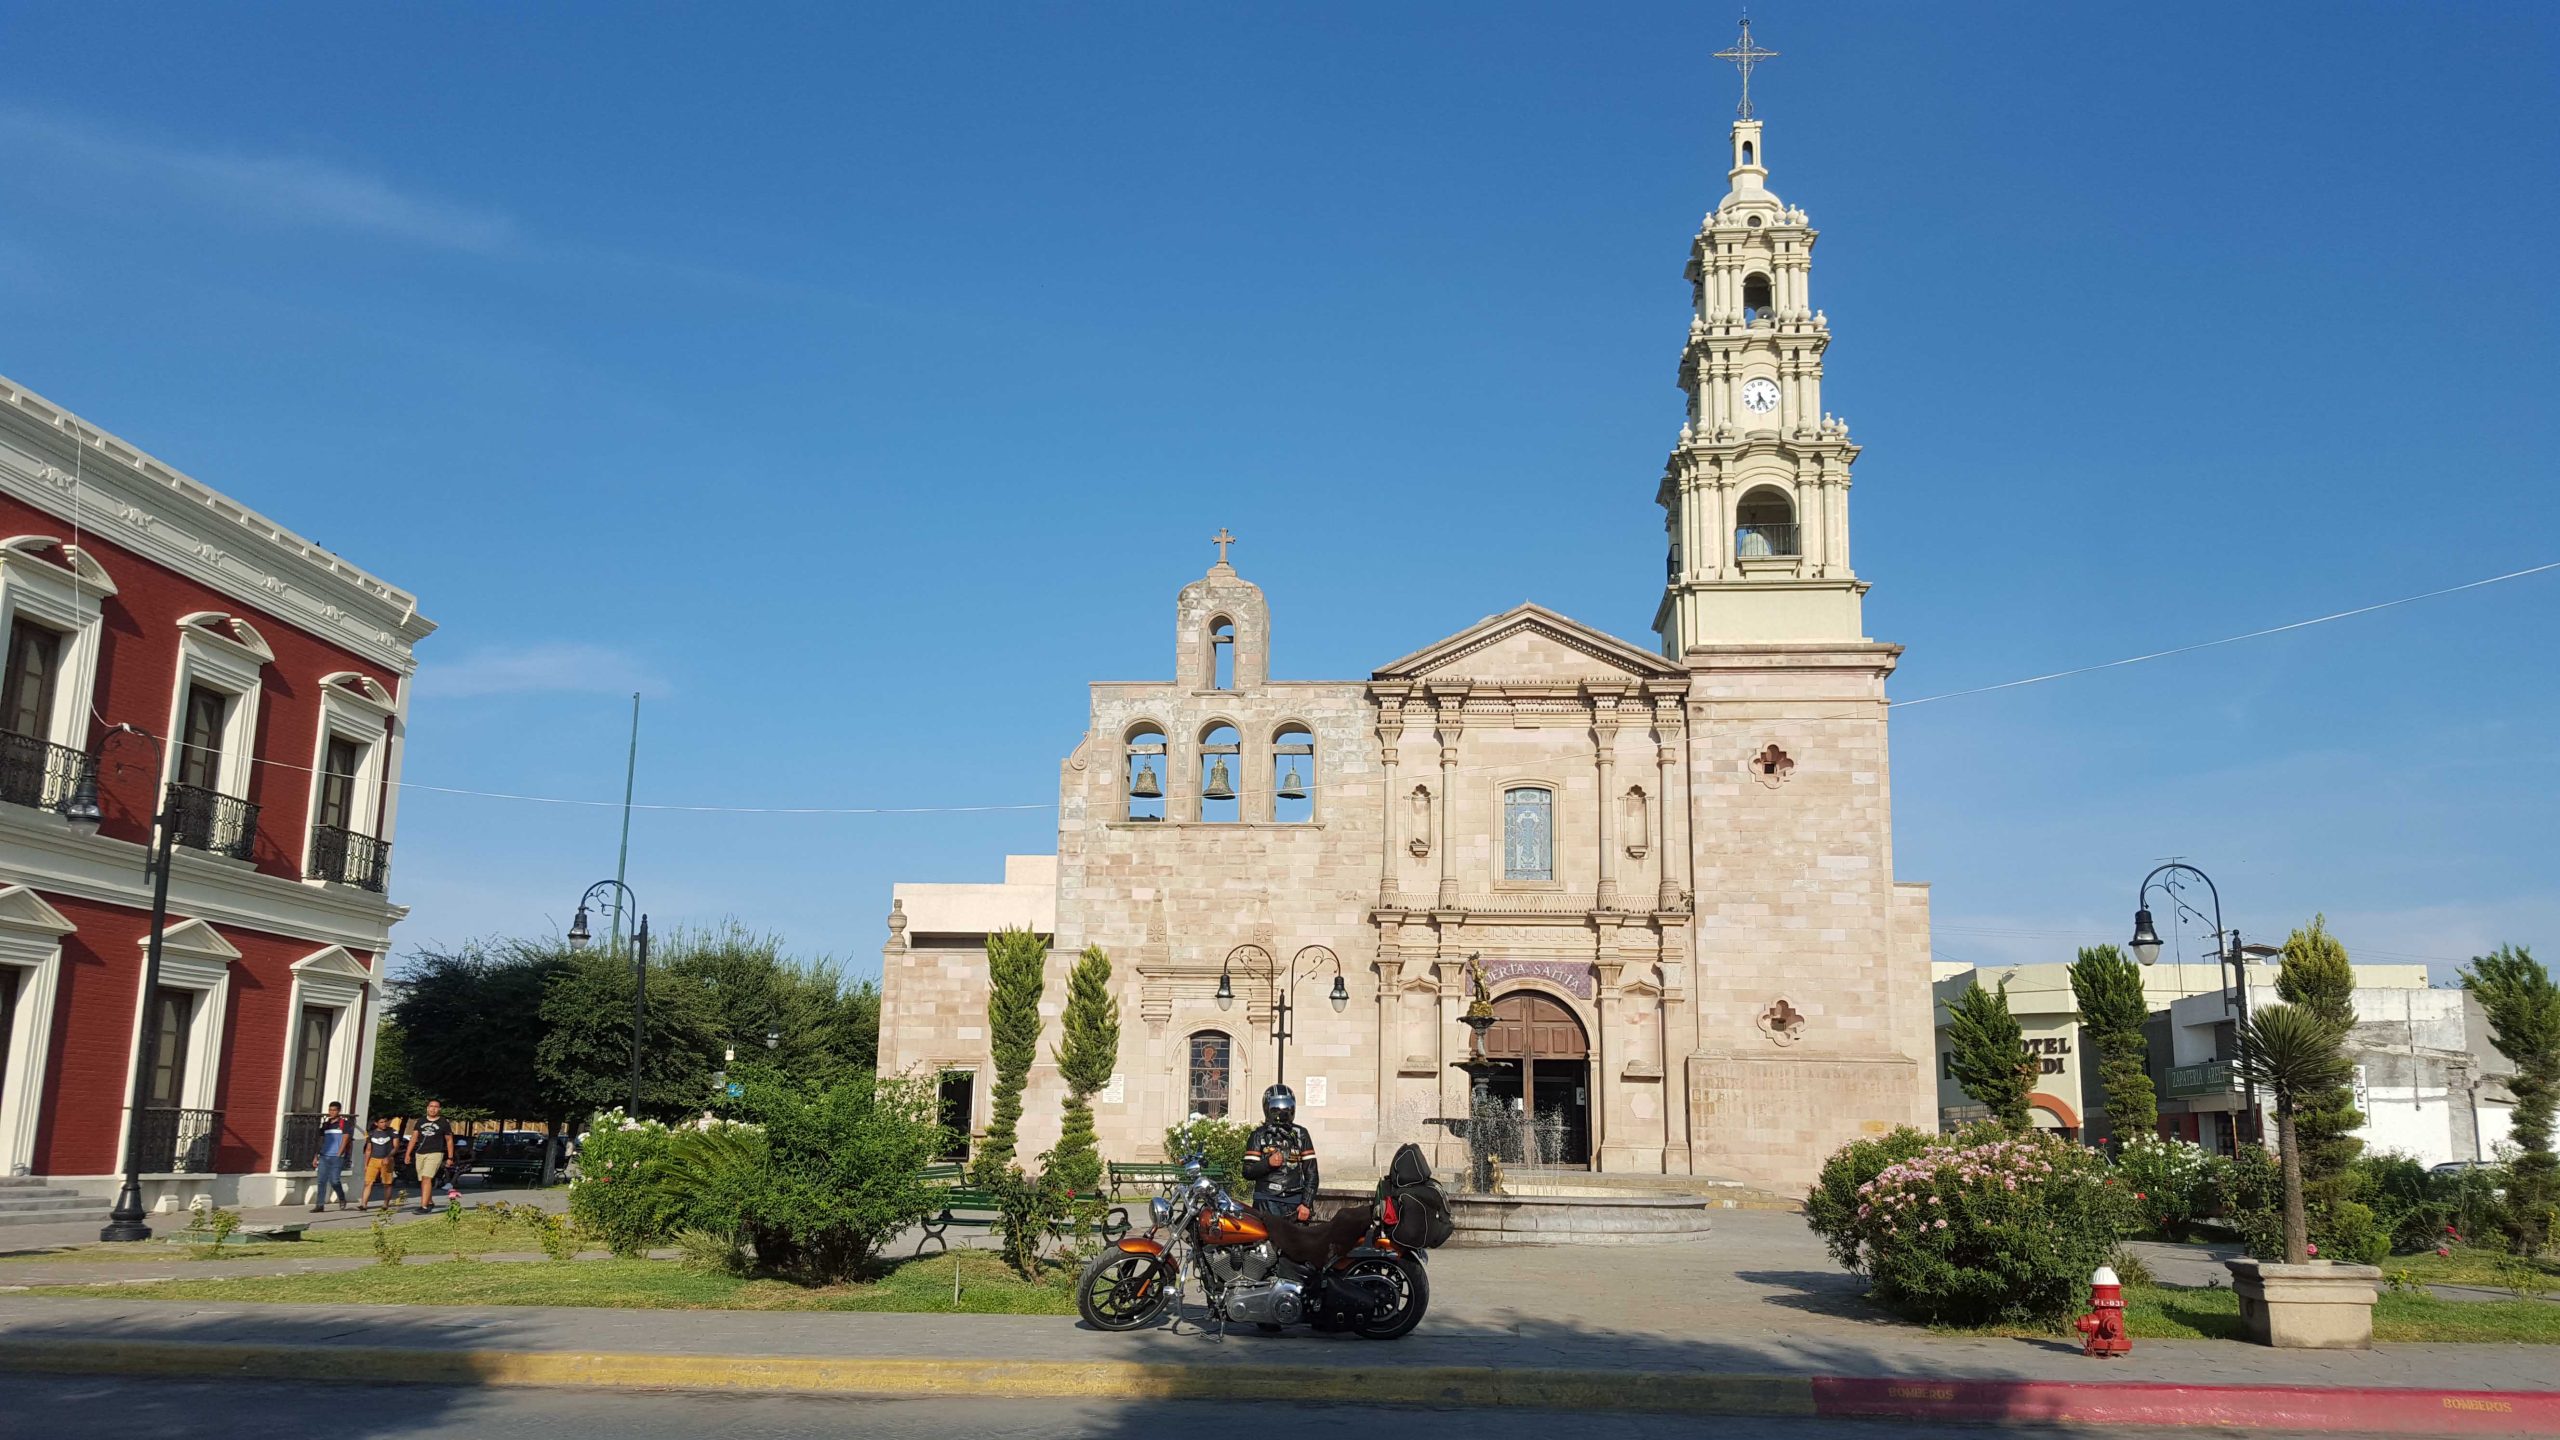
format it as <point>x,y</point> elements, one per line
<point>1279,1105</point>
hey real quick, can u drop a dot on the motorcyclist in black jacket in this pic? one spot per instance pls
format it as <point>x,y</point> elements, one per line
<point>1280,1159</point>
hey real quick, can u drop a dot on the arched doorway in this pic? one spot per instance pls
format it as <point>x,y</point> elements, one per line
<point>1545,1079</point>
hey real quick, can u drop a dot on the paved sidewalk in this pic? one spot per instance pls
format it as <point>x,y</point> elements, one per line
<point>16,1239</point>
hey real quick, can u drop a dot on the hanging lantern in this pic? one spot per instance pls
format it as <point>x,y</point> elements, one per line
<point>1220,786</point>
<point>1291,787</point>
<point>1145,787</point>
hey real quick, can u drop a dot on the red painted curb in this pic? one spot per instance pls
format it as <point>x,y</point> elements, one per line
<point>2258,1407</point>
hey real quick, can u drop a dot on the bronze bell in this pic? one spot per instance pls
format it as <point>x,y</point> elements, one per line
<point>1145,786</point>
<point>1291,787</point>
<point>1220,787</point>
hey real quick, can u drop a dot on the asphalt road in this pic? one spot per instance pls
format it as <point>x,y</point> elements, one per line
<point>56,1408</point>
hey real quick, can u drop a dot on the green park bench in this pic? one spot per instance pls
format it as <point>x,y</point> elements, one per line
<point>1155,1176</point>
<point>968,1208</point>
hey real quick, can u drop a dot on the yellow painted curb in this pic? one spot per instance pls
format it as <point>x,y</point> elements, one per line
<point>1770,1395</point>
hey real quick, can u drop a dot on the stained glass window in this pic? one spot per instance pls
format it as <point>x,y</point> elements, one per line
<point>1528,835</point>
<point>1209,1056</point>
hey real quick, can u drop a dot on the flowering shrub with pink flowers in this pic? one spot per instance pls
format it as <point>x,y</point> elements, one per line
<point>2003,1230</point>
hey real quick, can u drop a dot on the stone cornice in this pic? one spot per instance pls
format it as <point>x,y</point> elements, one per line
<point>177,521</point>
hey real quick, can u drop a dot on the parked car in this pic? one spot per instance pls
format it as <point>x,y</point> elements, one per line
<point>511,1156</point>
<point>2451,1169</point>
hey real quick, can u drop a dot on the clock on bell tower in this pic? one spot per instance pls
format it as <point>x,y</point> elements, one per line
<point>1756,493</point>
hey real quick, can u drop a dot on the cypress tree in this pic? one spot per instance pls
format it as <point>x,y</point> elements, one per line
<point>1016,960</point>
<point>2524,1023</point>
<point>1087,1056</point>
<point>1988,1052</point>
<point>2315,976</point>
<point>2112,1008</point>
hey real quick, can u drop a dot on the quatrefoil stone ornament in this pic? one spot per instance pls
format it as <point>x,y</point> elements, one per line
<point>1782,1022</point>
<point>1772,766</point>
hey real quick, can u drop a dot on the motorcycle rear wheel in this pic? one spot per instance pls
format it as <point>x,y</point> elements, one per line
<point>1412,1283</point>
<point>1124,1291</point>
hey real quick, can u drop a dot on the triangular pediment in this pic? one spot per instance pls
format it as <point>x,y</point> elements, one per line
<point>334,962</point>
<point>1530,643</point>
<point>194,938</point>
<point>24,909</point>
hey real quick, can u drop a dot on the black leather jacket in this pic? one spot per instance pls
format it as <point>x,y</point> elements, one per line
<point>1282,1190</point>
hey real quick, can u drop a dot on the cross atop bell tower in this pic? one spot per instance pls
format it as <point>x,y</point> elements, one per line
<point>1756,494</point>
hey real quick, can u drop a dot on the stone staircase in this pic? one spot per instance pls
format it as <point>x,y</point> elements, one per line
<point>1724,1194</point>
<point>25,1200</point>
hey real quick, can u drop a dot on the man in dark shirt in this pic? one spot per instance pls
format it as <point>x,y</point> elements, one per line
<point>428,1146</point>
<point>1280,1159</point>
<point>381,1162</point>
<point>337,1138</point>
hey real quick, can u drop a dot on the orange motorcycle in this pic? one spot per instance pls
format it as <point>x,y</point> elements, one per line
<point>1342,1273</point>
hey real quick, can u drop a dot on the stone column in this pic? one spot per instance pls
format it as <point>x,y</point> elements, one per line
<point>1390,730</point>
<point>1604,744</point>
<point>1666,732</point>
<point>1449,712</point>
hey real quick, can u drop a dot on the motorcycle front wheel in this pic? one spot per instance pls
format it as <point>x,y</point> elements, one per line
<point>1413,1295</point>
<point>1122,1290</point>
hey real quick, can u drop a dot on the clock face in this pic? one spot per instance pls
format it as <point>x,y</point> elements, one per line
<point>1760,396</point>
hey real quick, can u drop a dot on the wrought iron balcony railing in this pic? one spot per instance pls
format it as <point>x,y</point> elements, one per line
<point>175,1142</point>
<point>349,858</point>
<point>1765,542</point>
<point>36,774</point>
<point>212,821</point>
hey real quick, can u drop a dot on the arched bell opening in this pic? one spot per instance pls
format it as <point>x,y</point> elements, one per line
<point>1543,1080</point>
<point>1143,773</point>
<point>1293,775</point>
<point>1758,302</point>
<point>1764,525</point>
<point>1220,754</point>
<point>1222,653</point>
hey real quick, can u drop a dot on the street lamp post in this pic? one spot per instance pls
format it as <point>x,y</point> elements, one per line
<point>2230,956</point>
<point>1282,989</point>
<point>580,935</point>
<point>125,1222</point>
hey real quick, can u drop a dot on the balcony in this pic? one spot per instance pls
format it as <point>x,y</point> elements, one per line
<point>1766,542</point>
<point>175,1142</point>
<point>213,822</point>
<point>38,775</point>
<point>2212,1077</point>
<point>345,857</point>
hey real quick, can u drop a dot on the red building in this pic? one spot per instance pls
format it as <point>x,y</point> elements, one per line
<point>190,653</point>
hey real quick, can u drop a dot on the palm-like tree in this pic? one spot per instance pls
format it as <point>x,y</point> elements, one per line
<point>2294,1053</point>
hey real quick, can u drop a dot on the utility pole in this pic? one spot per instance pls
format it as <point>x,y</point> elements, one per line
<point>622,860</point>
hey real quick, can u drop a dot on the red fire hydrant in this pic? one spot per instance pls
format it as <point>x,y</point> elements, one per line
<point>2104,1324</point>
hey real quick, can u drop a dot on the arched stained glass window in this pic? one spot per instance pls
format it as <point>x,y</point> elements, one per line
<point>1211,1053</point>
<point>1528,834</point>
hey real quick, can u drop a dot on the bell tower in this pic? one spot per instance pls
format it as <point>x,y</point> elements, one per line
<point>1756,494</point>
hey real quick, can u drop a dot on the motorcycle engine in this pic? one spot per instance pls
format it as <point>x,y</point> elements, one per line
<point>1234,1264</point>
<point>1266,1302</point>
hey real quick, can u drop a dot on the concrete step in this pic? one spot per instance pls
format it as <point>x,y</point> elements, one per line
<point>58,1200</point>
<point>84,1210</point>
<point>27,1196</point>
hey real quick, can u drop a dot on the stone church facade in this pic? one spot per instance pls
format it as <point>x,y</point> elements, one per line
<point>1674,865</point>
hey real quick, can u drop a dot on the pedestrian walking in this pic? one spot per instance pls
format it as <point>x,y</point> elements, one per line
<point>382,1163</point>
<point>428,1146</point>
<point>337,1142</point>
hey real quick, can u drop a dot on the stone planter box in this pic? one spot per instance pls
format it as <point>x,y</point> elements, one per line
<point>2319,1306</point>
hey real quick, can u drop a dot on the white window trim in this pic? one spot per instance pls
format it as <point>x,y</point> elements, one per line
<point>357,708</point>
<point>193,956</point>
<point>31,934</point>
<point>225,653</point>
<point>331,979</point>
<point>67,597</point>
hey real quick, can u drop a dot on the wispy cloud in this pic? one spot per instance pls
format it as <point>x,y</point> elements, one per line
<point>276,188</point>
<point>566,668</point>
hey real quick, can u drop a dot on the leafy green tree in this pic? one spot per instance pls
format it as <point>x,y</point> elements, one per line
<point>761,994</point>
<point>2108,986</point>
<point>394,1092</point>
<point>1016,962</point>
<point>2524,1023</point>
<point>471,1028</point>
<point>1988,1053</point>
<point>835,1174</point>
<point>2315,976</point>
<point>585,1053</point>
<point>1086,1058</point>
<point>2293,1050</point>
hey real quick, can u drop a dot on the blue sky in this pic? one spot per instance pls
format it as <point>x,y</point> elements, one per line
<point>859,382</point>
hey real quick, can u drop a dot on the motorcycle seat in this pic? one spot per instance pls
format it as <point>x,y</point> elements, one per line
<point>1319,1243</point>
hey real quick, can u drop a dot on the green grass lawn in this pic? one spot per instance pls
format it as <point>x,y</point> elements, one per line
<point>2469,1265</point>
<point>476,1233</point>
<point>2162,1312</point>
<point>987,1287</point>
